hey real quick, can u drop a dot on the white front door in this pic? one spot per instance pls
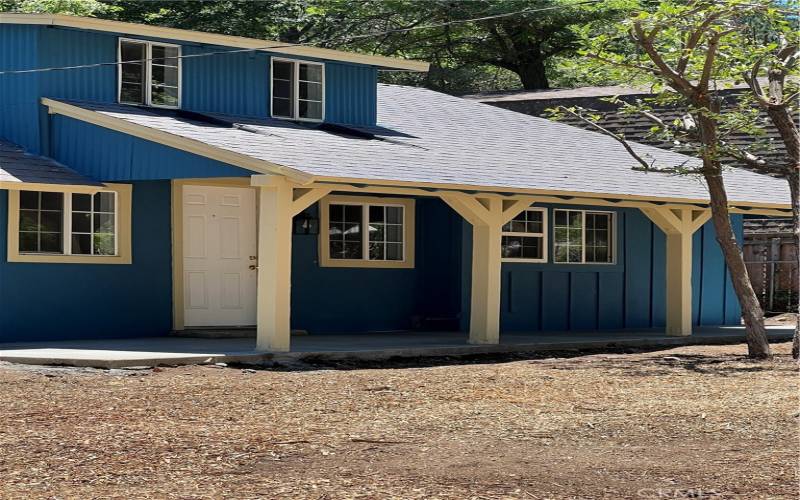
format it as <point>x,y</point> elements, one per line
<point>219,252</point>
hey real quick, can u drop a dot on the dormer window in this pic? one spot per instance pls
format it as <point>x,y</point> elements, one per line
<point>298,90</point>
<point>149,74</point>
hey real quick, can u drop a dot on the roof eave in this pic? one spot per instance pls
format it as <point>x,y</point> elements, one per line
<point>211,39</point>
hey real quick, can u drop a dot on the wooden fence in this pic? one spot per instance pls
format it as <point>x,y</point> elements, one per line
<point>771,258</point>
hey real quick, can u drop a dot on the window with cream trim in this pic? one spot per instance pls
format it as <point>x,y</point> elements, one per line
<point>524,237</point>
<point>367,232</point>
<point>78,227</point>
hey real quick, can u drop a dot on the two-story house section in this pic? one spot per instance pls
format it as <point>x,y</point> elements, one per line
<point>154,180</point>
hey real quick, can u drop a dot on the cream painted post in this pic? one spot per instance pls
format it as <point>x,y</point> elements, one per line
<point>279,202</point>
<point>273,331</point>
<point>679,225</point>
<point>487,215</point>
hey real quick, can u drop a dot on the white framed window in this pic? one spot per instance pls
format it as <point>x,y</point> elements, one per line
<point>297,89</point>
<point>367,232</point>
<point>524,237</point>
<point>149,73</point>
<point>76,227</point>
<point>583,237</point>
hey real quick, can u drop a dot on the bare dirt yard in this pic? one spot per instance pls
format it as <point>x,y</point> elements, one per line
<point>688,422</point>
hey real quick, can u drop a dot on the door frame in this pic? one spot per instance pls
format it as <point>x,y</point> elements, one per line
<point>177,235</point>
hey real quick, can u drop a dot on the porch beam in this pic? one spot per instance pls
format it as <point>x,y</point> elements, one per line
<point>487,215</point>
<point>679,225</point>
<point>305,197</point>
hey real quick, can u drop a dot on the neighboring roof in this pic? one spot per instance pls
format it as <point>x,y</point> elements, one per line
<point>573,93</point>
<point>429,139</point>
<point>635,128</point>
<point>211,38</point>
<point>18,167</point>
<point>538,95</point>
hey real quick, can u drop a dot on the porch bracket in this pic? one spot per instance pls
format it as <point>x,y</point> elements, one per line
<point>279,201</point>
<point>487,215</point>
<point>679,225</point>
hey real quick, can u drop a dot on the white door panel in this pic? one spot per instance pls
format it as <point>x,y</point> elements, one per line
<point>219,247</point>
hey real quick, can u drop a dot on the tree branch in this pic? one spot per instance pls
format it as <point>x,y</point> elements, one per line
<point>616,137</point>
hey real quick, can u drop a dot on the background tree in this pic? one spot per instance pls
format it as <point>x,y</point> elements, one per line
<point>529,50</point>
<point>688,51</point>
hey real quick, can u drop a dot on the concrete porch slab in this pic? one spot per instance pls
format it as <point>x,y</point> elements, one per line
<point>173,350</point>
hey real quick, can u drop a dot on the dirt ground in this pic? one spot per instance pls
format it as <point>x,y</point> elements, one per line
<point>688,422</point>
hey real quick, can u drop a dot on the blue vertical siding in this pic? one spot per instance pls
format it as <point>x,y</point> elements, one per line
<point>67,47</point>
<point>351,94</point>
<point>234,84</point>
<point>19,117</point>
<point>73,301</point>
<point>108,155</point>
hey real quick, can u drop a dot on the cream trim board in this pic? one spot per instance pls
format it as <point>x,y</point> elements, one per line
<point>50,188</point>
<point>543,235</point>
<point>211,39</point>
<point>409,231</point>
<point>174,141</point>
<point>411,188</point>
<point>124,211</point>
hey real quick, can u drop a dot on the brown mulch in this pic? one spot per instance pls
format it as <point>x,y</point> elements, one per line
<point>693,421</point>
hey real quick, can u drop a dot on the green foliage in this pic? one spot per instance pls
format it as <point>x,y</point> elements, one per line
<point>86,8</point>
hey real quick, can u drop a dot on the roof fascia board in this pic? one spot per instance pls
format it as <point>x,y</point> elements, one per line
<point>189,145</point>
<point>427,186</point>
<point>211,39</point>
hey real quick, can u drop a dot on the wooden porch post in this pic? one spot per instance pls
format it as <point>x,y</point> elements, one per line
<point>279,202</point>
<point>487,216</point>
<point>679,225</point>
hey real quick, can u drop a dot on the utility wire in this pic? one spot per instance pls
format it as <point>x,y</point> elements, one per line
<point>306,44</point>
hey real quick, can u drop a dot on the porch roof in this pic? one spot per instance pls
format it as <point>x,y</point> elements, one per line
<point>19,169</point>
<point>428,139</point>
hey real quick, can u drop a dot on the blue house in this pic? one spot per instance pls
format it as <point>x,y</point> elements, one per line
<point>154,180</point>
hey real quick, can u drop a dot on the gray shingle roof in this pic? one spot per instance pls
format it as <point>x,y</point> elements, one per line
<point>635,127</point>
<point>17,166</point>
<point>426,137</point>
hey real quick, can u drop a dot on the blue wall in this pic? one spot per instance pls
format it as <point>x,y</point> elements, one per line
<point>68,301</point>
<point>627,294</point>
<point>108,155</point>
<point>235,84</point>
<point>333,299</point>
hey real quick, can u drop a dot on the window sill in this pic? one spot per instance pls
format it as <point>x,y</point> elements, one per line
<point>524,261</point>
<point>70,259</point>
<point>367,264</point>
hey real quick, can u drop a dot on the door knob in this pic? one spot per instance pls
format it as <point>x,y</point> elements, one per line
<point>253,257</point>
<point>253,267</point>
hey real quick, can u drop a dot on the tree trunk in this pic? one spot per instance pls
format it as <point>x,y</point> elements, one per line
<point>533,74</point>
<point>783,119</point>
<point>757,344</point>
<point>794,188</point>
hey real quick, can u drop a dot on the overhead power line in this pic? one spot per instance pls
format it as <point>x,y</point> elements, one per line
<point>306,44</point>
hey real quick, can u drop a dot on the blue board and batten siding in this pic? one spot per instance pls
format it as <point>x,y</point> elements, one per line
<point>627,294</point>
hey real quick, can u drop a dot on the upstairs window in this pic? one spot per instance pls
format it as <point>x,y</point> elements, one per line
<point>583,237</point>
<point>525,237</point>
<point>149,74</point>
<point>298,90</point>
